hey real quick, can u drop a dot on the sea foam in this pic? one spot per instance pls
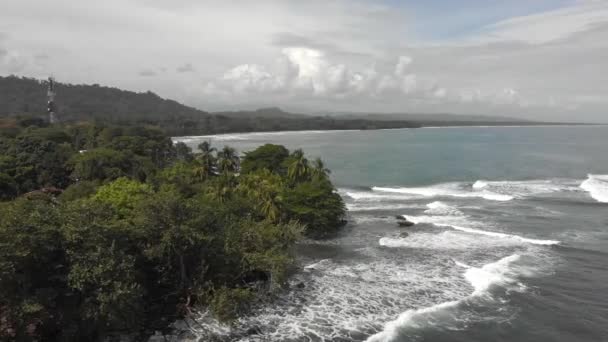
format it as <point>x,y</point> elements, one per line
<point>519,189</point>
<point>446,190</point>
<point>597,186</point>
<point>482,279</point>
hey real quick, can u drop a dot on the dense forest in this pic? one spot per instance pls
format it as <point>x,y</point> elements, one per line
<point>26,97</point>
<point>112,232</point>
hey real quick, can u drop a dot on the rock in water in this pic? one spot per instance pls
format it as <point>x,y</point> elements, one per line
<point>405,223</point>
<point>400,218</point>
<point>404,235</point>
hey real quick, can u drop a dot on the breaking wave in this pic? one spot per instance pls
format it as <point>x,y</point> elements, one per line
<point>447,190</point>
<point>482,279</point>
<point>506,236</point>
<point>597,187</point>
<point>520,189</point>
<point>444,215</point>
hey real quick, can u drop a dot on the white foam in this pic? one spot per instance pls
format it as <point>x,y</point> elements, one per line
<point>504,236</point>
<point>392,328</point>
<point>446,190</point>
<point>497,273</point>
<point>321,264</point>
<point>373,207</point>
<point>374,197</point>
<point>480,184</point>
<point>597,186</point>
<point>481,279</point>
<point>441,208</point>
<point>449,240</point>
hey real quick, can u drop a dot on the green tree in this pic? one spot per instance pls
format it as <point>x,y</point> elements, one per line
<point>319,171</point>
<point>299,169</point>
<point>263,189</point>
<point>228,160</point>
<point>205,161</point>
<point>270,157</point>
<point>8,187</point>
<point>123,195</point>
<point>317,206</point>
<point>101,164</point>
<point>183,152</point>
<point>33,271</point>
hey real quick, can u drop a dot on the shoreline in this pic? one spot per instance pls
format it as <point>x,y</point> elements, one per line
<point>187,138</point>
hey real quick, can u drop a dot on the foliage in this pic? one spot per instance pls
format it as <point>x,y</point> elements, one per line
<point>24,98</point>
<point>316,204</point>
<point>123,194</point>
<point>142,231</point>
<point>269,156</point>
<point>228,304</point>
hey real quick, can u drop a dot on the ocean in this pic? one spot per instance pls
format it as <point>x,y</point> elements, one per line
<point>510,241</point>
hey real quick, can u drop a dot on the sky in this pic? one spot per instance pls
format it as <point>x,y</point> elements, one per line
<point>533,59</point>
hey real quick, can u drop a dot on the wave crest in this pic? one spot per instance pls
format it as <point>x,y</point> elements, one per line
<point>446,190</point>
<point>482,279</point>
<point>597,187</point>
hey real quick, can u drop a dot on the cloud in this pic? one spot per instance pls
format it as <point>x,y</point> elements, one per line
<point>549,26</point>
<point>185,68</point>
<point>403,63</point>
<point>13,62</point>
<point>304,72</point>
<point>147,73</point>
<point>322,55</point>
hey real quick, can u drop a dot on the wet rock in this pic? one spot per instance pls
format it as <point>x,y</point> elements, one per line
<point>300,285</point>
<point>404,235</point>
<point>400,218</point>
<point>253,331</point>
<point>405,223</point>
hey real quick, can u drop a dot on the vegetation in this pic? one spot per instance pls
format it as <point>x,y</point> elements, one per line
<point>110,231</point>
<point>25,98</point>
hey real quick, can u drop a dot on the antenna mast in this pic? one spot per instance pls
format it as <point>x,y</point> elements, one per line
<point>51,107</point>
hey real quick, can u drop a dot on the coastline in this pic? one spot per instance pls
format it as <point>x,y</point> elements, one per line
<point>239,135</point>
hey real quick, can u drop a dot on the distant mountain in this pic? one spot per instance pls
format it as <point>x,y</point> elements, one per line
<point>426,117</point>
<point>268,113</point>
<point>26,98</point>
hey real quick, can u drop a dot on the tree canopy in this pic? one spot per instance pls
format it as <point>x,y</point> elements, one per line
<point>109,231</point>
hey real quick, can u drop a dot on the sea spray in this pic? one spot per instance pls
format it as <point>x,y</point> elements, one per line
<point>481,279</point>
<point>597,186</point>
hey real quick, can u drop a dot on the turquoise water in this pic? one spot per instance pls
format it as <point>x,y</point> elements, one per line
<point>510,241</point>
<point>427,156</point>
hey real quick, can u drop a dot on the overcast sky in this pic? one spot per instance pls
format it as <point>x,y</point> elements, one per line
<point>538,59</point>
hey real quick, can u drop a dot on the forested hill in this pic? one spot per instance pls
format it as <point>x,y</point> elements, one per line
<point>25,97</point>
<point>86,102</point>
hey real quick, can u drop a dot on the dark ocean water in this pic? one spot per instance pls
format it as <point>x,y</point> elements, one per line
<point>511,240</point>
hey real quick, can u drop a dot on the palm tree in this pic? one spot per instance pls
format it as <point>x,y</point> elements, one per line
<point>319,171</point>
<point>222,187</point>
<point>298,169</point>
<point>228,160</point>
<point>205,160</point>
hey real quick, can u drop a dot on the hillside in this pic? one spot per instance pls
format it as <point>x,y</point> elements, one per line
<point>427,117</point>
<point>25,97</point>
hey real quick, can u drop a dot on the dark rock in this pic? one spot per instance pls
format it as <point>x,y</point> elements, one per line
<point>405,223</point>
<point>253,331</point>
<point>400,218</point>
<point>300,285</point>
<point>404,235</point>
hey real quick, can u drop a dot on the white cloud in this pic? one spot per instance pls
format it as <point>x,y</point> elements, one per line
<point>403,63</point>
<point>549,26</point>
<point>316,55</point>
